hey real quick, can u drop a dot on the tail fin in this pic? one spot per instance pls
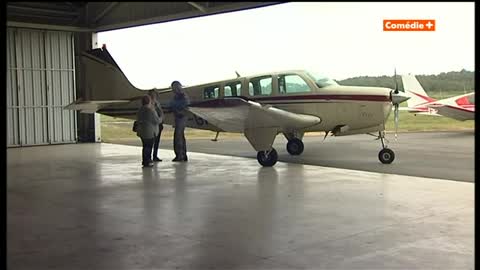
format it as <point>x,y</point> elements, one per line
<point>104,80</point>
<point>415,91</point>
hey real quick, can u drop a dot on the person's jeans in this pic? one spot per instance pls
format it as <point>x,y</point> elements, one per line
<point>157,141</point>
<point>147,150</point>
<point>179,143</point>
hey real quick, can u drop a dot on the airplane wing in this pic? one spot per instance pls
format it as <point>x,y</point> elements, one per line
<point>460,107</point>
<point>421,111</point>
<point>260,123</point>
<point>237,114</point>
<point>455,112</point>
<point>91,106</point>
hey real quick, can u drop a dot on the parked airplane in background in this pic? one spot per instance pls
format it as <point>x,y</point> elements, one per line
<point>460,107</point>
<point>261,106</point>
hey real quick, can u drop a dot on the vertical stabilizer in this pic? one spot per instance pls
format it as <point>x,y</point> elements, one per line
<point>104,78</point>
<point>415,91</point>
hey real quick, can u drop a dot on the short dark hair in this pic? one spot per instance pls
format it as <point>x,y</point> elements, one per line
<point>175,82</point>
<point>146,100</point>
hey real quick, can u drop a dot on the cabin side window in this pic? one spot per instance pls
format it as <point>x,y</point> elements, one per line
<point>211,92</point>
<point>232,89</point>
<point>292,83</point>
<point>260,86</point>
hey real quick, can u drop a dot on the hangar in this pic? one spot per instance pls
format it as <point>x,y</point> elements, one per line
<point>44,40</point>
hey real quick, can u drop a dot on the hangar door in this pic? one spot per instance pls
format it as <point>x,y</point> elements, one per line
<point>40,82</point>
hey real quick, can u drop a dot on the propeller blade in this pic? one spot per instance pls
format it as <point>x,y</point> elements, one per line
<point>395,78</point>
<point>396,120</point>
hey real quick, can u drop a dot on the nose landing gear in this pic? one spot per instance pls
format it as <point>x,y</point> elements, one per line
<point>386,155</point>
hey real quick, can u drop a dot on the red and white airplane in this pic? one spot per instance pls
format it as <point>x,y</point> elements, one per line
<point>461,107</point>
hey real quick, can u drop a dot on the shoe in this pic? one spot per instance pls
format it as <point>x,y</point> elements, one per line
<point>156,159</point>
<point>185,159</point>
<point>176,159</point>
<point>147,165</point>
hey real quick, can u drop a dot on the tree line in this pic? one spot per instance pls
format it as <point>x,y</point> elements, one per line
<point>453,81</point>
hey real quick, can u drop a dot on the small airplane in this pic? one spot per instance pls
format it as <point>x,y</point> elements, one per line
<point>461,107</point>
<point>261,106</point>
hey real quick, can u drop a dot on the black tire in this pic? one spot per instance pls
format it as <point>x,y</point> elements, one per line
<point>267,161</point>
<point>295,147</point>
<point>386,156</point>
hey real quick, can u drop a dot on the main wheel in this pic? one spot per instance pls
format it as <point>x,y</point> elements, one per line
<point>267,160</point>
<point>295,147</point>
<point>386,156</point>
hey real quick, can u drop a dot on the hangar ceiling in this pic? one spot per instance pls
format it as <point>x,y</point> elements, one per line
<point>105,16</point>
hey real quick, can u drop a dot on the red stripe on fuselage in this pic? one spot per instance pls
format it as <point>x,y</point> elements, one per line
<point>327,97</point>
<point>232,102</point>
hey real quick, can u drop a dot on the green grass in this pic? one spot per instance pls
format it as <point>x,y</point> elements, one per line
<point>410,122</point>
<point>118,129</point>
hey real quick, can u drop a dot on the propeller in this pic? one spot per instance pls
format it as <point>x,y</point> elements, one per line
<point>395,78</point>
<point>395,112</point>
<point>396,99</point>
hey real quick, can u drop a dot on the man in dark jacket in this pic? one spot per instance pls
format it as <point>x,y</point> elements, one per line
<point>179,104</point>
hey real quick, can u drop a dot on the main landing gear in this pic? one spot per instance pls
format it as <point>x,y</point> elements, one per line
<point>386,155</point>
<point>295,147</point>
<point>267,158</point>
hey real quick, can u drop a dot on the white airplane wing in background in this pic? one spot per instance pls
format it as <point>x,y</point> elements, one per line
<point>460,107</point>
<point>421,111</point>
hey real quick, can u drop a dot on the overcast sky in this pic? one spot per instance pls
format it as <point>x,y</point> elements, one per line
<point>339,40</point>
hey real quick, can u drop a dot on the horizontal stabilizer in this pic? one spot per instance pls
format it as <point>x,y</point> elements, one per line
<point>92,106</point>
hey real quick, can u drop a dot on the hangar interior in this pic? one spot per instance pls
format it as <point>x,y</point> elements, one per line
<point>91,206</point>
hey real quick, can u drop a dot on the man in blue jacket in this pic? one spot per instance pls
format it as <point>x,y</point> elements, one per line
<point>179,104</point>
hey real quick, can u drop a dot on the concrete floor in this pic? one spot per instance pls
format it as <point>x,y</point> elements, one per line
<point>440,155</point>
<point>92,206</point>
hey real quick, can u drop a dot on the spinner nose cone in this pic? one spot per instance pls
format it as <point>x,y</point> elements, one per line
<point>398,97</point>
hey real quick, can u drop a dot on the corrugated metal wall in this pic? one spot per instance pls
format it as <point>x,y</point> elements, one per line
<point>40,82</point>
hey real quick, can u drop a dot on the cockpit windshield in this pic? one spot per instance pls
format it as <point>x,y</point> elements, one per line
<point>320,80</point>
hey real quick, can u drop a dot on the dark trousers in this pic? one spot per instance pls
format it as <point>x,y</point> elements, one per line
<point>157,141</point>
<point>179,144</point>
<point>147,150</point>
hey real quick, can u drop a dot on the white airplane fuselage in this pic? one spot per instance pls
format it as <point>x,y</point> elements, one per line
<point>260,106</point>
<point>359,109</point>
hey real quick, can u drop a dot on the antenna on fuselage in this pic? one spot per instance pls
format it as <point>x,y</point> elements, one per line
<point>238,75</point>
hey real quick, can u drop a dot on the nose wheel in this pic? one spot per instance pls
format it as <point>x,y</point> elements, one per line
<point>267,158</point>
<point>295,147</point>
<point>386,155</point>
